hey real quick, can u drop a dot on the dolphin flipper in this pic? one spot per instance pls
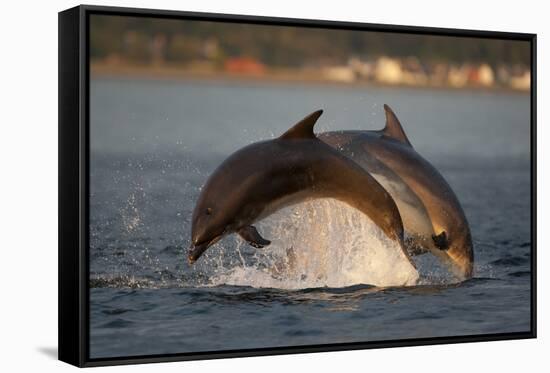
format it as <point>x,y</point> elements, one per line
<point>250,234</point>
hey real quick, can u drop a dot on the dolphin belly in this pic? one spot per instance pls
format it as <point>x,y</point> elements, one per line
<point>416,221</point>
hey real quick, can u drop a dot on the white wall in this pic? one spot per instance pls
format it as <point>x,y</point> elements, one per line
<point>28,165</point>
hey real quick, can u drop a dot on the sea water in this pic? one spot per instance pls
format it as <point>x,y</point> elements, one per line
<point>330,275</point>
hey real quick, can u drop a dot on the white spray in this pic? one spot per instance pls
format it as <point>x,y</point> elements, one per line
<point>321,243</point>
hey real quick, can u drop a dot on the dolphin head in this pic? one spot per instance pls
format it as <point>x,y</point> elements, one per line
<point>456,251</point>
<point>218,212</point>
<point>233,197</point>
<point>206,230</point>
<point>461,255</point>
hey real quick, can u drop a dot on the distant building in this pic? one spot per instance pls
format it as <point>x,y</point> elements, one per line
<point>343,74</point>
<point>244,65</point>
<point>521,82</point>
<point>458,76</point>
<point>485,75</point>
<point>438,74</point>
<point>362,69</point>
<point>503,75</point>
<point>413,73</point>
<point>388,71</point>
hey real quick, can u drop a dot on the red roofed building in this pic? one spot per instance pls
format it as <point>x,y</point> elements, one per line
<point>244,65</point>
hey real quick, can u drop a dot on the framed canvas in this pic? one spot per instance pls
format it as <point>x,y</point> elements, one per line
<point>238,186</point>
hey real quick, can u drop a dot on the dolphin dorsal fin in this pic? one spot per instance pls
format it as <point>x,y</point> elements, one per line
<point>393,128</point>
<point>304,128</point>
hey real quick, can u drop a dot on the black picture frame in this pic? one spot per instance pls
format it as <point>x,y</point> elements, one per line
<point>74,77</point>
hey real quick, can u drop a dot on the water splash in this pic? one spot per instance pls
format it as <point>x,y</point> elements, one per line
<point>130,213</point>
<point>316,244</point>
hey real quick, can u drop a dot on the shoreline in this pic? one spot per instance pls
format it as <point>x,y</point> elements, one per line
<point>275,77</point>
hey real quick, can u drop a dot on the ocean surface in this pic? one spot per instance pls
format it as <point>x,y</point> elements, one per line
<point>153,145</point>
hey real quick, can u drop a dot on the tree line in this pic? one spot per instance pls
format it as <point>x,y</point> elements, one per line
<point>135,39</point>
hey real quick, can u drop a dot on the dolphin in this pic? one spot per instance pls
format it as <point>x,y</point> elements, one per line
<point>432,216</point>
<point>266,176</point>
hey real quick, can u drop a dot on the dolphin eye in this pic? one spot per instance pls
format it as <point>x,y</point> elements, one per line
<point>209,211</point>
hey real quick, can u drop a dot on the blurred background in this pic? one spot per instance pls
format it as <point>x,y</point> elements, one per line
<point>177,47</point>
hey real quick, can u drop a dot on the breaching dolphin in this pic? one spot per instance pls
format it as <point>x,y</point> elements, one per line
<point>266,176</point>
<point>376,172</point>
<point>432,216</point>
